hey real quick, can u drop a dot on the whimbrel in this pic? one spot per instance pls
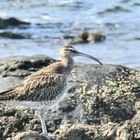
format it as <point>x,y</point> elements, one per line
<point>45,85</point>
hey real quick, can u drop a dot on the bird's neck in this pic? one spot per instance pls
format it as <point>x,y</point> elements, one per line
<point>68,63</point>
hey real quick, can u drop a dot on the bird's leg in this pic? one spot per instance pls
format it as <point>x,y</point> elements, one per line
<point>41,114</point>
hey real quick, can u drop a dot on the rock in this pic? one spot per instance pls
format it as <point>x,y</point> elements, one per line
<point>67,36</point>
<point>14,69</point>
<point>13,35</point>
<point>109,131</point>
<point>87,132</point>
<point>100,102</point>
<point>29,136</point>
<point>101,94</point>
<point>96,37</point>
<point>76,132</point>
<point>83,36</point>
<point>114,9</point>
<point>87,37</point>
<point>11,22</point>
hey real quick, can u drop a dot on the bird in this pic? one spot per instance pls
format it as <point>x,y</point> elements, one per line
<point>45,85</point>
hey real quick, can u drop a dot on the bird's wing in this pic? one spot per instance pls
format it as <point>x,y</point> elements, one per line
<point>7,95</point>
<point>36,87</point>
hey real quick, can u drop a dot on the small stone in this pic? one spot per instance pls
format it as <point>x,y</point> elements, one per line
<point>29,136</point>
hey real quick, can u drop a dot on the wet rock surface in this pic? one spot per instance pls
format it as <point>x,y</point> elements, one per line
<point>13,35</point>
<point>100,103</point>
<point>84,37</point>
<point>11,22</point>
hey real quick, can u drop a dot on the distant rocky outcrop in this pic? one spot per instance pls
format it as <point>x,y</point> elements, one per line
<point>84,37</point>
<point>12,35</point>
<point>12,22</point>
<point>100,103</point>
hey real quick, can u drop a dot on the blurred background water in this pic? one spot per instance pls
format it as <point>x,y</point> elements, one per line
<point>118,20</point>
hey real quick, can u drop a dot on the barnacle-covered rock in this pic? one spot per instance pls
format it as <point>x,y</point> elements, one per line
<point>100,102</point>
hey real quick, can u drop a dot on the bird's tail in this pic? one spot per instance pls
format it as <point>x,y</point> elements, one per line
<point>7,95</point>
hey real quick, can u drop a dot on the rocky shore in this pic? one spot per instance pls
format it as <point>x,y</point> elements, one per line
<point>100,103</point>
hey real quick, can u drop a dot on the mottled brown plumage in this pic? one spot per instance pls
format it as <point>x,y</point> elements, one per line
<point>40,86</point>
<point>45,84</point>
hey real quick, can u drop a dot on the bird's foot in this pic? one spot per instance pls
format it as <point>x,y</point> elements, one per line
<point>46,136</point>
<point>52,137</point>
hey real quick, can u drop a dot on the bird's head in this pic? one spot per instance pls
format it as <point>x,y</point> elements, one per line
<point>69,51</point>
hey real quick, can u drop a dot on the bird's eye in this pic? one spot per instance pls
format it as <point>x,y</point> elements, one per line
<point>71,50</point>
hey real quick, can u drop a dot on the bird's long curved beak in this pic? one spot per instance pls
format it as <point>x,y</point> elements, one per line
<point>88,56</point>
